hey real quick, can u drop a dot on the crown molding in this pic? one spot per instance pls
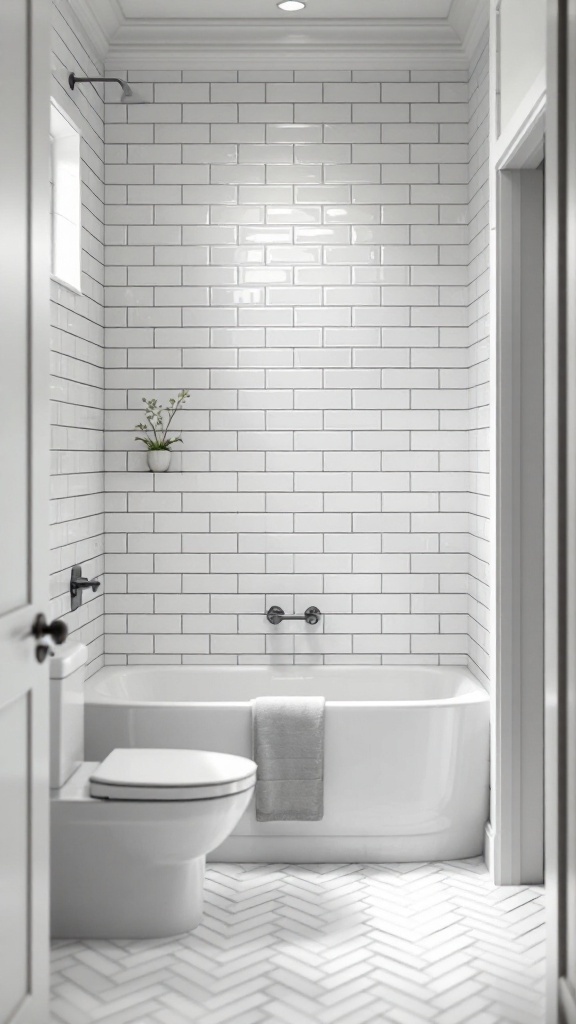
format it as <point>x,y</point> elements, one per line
<point>238,43</point>
<point>99,23</point>
<point>211,43</point>
<point>470,19</point>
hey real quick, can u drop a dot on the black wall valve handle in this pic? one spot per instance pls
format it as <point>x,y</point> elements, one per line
<point>78,584</point>
<point>276,615</point>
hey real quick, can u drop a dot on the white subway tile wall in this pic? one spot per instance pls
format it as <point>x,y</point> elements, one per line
<point>296,250</point>
<point>77,362</point>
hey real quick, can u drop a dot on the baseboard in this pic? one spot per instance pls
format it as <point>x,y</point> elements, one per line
<point>489,847</point>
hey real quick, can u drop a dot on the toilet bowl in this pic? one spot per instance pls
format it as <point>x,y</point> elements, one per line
<point>129,836</point>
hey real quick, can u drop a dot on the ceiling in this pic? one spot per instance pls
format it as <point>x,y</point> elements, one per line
<point>186,34</point>
<point>260,9</point>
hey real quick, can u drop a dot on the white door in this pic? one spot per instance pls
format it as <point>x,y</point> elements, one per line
<point>24,451</point>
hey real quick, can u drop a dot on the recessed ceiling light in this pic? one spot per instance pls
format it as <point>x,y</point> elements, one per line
<point>291,5</point>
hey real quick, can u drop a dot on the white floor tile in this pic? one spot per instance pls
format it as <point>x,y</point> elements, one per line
<point>324,944</point>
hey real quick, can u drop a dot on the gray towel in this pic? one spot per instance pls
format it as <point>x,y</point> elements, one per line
<point>289,752</point>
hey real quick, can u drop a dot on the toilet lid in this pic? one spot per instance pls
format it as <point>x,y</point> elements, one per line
<point>171,775</point>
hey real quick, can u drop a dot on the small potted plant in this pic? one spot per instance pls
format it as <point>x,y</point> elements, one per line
<point>156,427</point>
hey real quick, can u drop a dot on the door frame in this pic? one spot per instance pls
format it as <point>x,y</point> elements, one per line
<point>560,509</point>
<point>515,835</point>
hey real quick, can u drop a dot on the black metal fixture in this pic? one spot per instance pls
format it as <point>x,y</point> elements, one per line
<point>79,583</point>
<point>128,95</point>
<point>276,615</point>
<point>57,630</point>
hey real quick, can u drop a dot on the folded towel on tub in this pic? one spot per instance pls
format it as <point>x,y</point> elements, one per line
<point>288,737</point>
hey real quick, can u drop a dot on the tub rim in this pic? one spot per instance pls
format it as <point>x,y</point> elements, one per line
<point>475,694</point>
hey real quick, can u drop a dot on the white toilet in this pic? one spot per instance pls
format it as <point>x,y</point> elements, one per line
<point>129,836</point>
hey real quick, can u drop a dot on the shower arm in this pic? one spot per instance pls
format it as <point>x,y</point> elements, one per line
<point>74,79</point>
<point>276,615</point>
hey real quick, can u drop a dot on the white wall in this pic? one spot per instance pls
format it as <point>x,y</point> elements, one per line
<point>77,373</point>
<point>293,247</point>
<point>479,362</point>
<point>522,52</point>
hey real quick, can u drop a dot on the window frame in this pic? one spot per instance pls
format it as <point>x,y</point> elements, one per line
<point>66,201</point>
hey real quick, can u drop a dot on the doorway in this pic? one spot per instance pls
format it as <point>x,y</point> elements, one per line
<point>518,425</point>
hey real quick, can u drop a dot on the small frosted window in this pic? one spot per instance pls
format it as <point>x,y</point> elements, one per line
<point>65,204</point>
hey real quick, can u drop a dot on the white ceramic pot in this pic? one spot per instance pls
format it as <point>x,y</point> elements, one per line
<point>159,460</point>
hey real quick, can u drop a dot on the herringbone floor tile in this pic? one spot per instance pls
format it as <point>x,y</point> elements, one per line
<point>323,944</point>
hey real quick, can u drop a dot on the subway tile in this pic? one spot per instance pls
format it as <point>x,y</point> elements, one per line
<point>322,112</point>
<point>151,276</point>
<point>351,501</point>
<point>208,624</point>
<point>439,153</point>
<point>181,644</point>
<point>179,255</point>
<point>236,215</point>
<point>363,583</point>
<point>129,174</point>
<point>281,543</point>
<point>308,273</point>
<point>286,501</point>
<point>154,235</point>
<point>155,113</point>
<point>154,583</point>
<point>264,112</point>
<point>153,542</point>
<point>156,623</point>
<point>277,583</point>
<point>181,92</point>
<point>319,644</point>
<point>207,194</point>
<point>297,92</point>
<point>381,644</point>
<point>322,316</point>
<point>237,174</point>
<point>237,92</point>
<point>381,112</point>
<point>128,215</point>
<point>159,153</point>
<point>321,440</point>
<point>293,133</point>
<point>342,133</point>
<point>294,174</point>
<point>209,153</point>
<point>279,215</point>
<point>247,644</point>
<point>410,133</point>
<point>265,482</point>
<point>238,133</point>
<point>181,604</point>
<point>180,133</point>
<point>352,92</point>
<point>439,112</point>
<point>401,92</point>
<point>210,113</point>
<point>321,399</point>
<point>124,644</point>
<point>323,482</point>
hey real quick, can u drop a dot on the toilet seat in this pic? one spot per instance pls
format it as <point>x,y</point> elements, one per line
<point>165,774</point>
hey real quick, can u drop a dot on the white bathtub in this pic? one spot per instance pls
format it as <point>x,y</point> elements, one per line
<point>406,752</point>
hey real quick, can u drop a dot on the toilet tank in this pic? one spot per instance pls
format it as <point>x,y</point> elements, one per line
<point>67,674</point>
